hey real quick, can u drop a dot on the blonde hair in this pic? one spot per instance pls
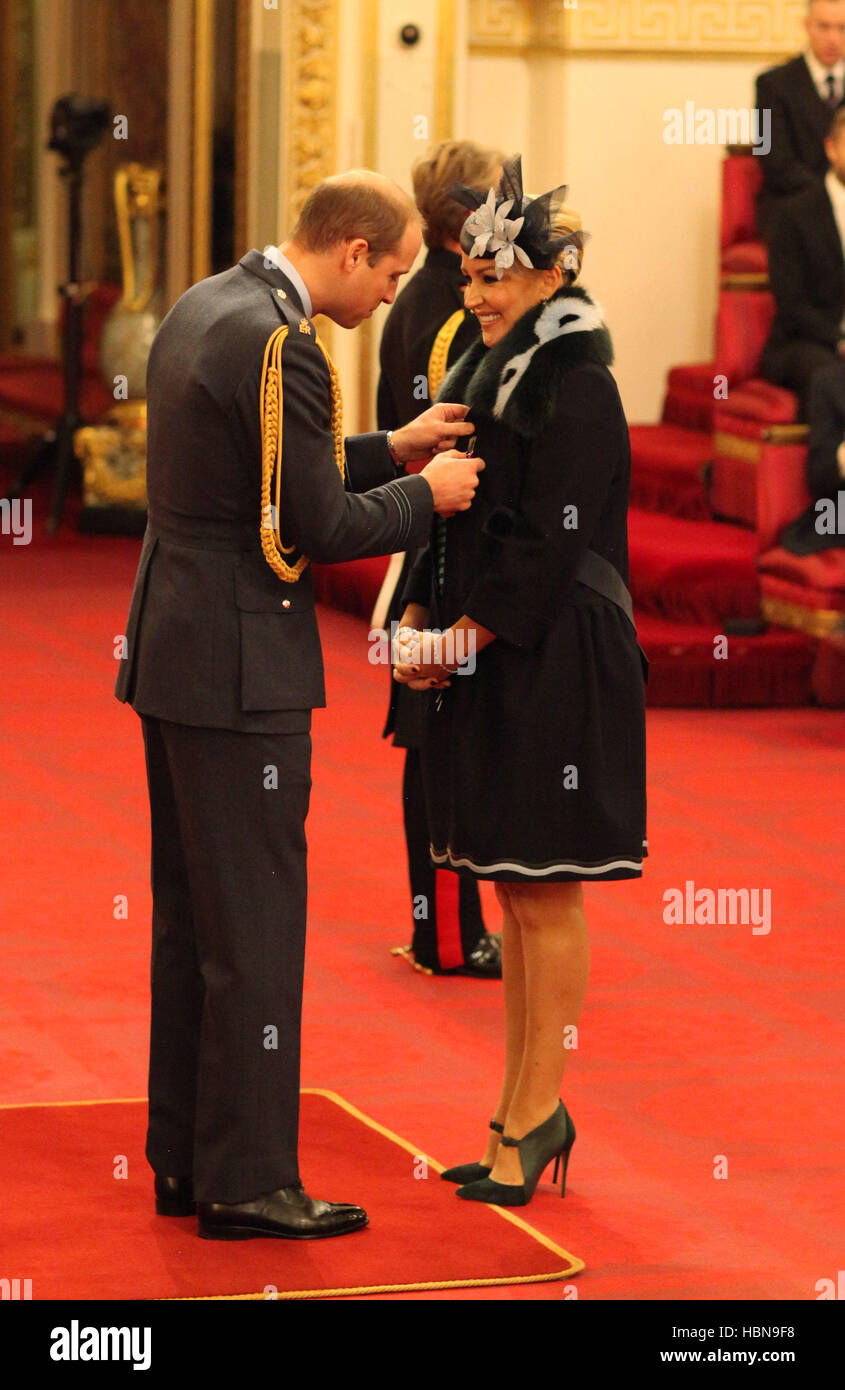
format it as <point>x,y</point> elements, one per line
<point>451,162</point>
<point>565,219</point>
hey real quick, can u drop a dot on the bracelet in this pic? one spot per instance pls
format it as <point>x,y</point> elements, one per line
<point>392,451</point>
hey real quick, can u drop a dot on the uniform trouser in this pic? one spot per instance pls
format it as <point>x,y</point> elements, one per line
<point>228,949</point>
<point>448,922</point>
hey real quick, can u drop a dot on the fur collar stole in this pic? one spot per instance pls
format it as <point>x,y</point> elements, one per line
<point>517,380</point>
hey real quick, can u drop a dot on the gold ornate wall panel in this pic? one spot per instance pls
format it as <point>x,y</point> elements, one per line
<point>686,28</point>
<point>371,18</point>
<point>242,111</point>
<point>310,102</point>
<point>444,71</point>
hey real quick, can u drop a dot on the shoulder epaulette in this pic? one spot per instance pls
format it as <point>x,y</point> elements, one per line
<point>271,406</point>
<point>439,355</point>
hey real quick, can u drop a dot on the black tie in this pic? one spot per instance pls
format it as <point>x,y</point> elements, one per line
<point>832,99</point>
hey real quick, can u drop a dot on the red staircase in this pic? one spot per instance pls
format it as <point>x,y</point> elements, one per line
<point>712,484</point>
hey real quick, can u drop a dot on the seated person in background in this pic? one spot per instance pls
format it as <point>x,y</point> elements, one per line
<point>807,275</point>
<point>802,95</point>
<point>825,464</point>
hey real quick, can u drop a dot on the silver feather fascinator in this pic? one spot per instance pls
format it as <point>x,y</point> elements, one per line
<point>528,237</point>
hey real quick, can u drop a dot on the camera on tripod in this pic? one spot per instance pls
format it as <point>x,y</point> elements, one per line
<point>77,125</point>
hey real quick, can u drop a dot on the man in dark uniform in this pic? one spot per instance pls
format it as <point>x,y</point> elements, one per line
<point>802,96</point>
<point>426,331</point>
<point>247,478</point>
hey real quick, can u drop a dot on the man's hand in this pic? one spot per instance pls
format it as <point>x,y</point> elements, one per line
<point>453,479</point>
<point>438,428</point>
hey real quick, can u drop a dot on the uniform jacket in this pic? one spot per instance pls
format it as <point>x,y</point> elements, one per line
<point>215,638</point>
<point>554,439</point>
<point>800,121</point>
<point>420,310</point>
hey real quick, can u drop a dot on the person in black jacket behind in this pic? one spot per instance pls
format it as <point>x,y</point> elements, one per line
<point>807,274</point>
<point>801,96</point>
<point>426,331</point>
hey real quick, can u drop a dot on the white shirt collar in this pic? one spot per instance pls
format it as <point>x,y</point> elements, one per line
<point>272,253</point>
<point>820,73</point>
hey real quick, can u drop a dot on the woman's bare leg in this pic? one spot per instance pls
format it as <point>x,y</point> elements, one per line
<point>513,987</point>
<point>556,963</point>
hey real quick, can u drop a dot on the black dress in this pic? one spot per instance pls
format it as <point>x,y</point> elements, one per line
<point>534,764</point>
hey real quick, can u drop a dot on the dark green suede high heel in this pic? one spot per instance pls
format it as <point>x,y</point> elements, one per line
<point>553,1139</point>
<point>471,1172</point>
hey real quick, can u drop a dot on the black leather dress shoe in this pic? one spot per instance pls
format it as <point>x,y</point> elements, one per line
<point>289,1213</point>
<point>174,1196</point>
<point>485,961</point>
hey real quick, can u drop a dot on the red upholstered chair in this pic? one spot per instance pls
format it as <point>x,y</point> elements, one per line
<point>689,401</point>
<point>758,454</point>
<point>804,591</point>
<point>829,671</point>
<point>668,465</point>
<point>742,253</point>
<point>743,322</point>
<point>669,460</point>
<point>758,449</point>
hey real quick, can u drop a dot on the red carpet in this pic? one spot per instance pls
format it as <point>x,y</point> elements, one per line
<point>696,1041</point>
<point>114,1246</point>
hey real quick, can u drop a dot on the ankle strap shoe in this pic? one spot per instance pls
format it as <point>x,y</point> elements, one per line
<point>470,1172</point>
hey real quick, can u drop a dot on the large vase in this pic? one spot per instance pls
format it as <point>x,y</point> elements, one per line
<point>130,328</point>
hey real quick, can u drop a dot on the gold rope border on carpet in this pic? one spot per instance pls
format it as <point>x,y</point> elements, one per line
<point>574,1264</point>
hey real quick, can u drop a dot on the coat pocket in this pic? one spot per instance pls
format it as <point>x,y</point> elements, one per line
<point>281,659</point>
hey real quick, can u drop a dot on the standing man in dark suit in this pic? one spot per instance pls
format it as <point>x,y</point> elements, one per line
<point>426,331</point>
<point>807,274</point>
<point>802,96</point>
<point>248,476</point>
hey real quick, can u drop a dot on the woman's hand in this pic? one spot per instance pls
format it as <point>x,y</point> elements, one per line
<point>409,668</point>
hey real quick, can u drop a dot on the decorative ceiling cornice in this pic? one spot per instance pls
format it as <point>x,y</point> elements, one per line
<point>687,28</point>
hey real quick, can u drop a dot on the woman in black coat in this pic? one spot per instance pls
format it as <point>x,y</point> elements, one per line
<point>534,754</point>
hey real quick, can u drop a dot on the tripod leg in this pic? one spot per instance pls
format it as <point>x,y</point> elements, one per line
<point>65,459</point>
<point>39,455</point>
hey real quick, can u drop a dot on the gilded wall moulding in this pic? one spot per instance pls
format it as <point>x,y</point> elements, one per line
<point>311,87</point>
<point>688,28</point>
